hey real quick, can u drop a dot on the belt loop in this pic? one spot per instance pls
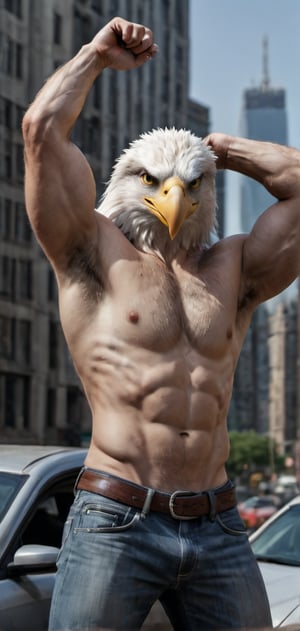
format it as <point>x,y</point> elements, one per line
<point>212,505</point>
<point>147,503</point>
<point>78,478</point>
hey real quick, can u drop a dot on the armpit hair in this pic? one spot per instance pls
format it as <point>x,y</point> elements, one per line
<point>84,268</point>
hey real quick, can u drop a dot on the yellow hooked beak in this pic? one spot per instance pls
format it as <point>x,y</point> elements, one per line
<point>172,204</point>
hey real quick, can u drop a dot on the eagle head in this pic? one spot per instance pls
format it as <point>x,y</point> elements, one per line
<point>161,193</point>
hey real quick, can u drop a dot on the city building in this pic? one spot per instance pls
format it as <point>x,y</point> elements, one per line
<point>41,399</point>
<point>199,123</point>
<point>265,394</point>
<point>264,117</point>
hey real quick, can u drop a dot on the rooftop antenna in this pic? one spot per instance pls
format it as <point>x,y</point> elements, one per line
<point>266,76</point>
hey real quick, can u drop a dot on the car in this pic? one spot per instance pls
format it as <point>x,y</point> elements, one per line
<point>255,510</point>
<point>276,545</point>
<point>36,490</point>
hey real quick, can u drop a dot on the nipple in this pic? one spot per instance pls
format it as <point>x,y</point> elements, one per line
<point>133,317</point>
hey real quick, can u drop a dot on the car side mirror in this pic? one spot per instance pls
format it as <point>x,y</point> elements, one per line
<point>34,557</point>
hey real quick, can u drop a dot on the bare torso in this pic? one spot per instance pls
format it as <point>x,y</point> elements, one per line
<point>155,344</point>
<point>156,348</point>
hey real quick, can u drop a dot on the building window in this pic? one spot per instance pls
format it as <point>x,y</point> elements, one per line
<point>113,8</point>
<point>113,146</point>
<point>7,337</point>
<point>52,289</point>
<point>7,55</point>
<point>7,277</point>
<point>57,28</point>
<point>97,94</point>
<point>11,58</point>
<point>92,136</point>
<point>51,407</point>
<point>14,401</point>
<point>25,279</point>
<point>19,162</point>
<point>19,61</point>
<point>24,342</point>
<point>8,149</point>
<point>8,114</point>
<point>20,111</point>
<point>53,345</point>
<point>113,94</point>
<point>14,6</point>
<point>97,6</point>
<point>6,219</point>
<point>22,228</point>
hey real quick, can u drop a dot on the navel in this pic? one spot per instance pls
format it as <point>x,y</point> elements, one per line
<point>183,434</point>
<point>133,317</point>
<point>229,333</point>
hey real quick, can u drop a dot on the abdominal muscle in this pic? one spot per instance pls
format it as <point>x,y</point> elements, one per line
<point>158,420</point>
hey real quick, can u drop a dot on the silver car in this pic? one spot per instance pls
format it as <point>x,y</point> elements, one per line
<point>36,490</point>
<point>276,545</point>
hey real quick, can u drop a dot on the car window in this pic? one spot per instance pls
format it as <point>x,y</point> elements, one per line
<point>258,502</point>
<point>48,516</point>
<point>280,541</point>
<point>9,486</point>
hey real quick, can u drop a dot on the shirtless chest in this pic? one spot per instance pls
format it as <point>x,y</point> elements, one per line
<point>151,305</point>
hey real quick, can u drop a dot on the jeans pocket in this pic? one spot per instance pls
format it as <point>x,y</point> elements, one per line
<point>231,523</point>
<point>106,517</point>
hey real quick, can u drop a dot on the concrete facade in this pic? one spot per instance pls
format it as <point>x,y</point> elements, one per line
<point>41,399</point>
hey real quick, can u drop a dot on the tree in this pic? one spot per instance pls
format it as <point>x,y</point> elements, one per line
<point>252,453</point>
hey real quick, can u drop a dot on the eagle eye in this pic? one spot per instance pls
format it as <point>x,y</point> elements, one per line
<point>196,182</point>
<point>148,179</point>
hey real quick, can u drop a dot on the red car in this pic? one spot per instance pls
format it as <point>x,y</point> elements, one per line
<point>255,510</point>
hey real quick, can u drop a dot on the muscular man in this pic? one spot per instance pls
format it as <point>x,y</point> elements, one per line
<point>155,341</point>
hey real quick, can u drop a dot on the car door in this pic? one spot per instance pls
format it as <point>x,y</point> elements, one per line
<point>28,578</point>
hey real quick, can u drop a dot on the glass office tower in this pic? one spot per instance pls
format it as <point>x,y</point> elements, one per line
<point>264,117</point>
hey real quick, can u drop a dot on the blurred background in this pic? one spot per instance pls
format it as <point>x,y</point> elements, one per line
<point>225,66</point>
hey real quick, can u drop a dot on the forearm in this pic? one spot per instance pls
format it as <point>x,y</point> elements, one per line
<point>275,166</point>
<point>120,45</point>
<point>60,102</point>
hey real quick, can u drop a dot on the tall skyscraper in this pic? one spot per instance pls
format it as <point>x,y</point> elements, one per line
<point>265,394</point>
<point>264,117</point>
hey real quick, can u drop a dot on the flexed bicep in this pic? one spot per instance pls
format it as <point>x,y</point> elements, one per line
<point>60,188</point>
<point>271,254</point>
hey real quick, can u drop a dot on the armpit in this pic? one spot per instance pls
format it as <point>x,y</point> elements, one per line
<point>248,298</point>
<point>84,267</point>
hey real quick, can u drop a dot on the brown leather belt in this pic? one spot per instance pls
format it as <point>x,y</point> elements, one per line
<point>180,504</point>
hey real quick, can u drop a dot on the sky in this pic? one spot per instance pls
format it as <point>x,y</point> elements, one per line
<point>226,58</point>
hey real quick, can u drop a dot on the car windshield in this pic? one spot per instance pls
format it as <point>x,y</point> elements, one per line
<point>280,541</point>
<point>10,484</point>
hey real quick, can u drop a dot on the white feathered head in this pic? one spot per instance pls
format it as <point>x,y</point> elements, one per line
<point>162,192</point>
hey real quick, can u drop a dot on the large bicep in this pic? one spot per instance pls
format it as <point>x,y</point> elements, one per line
<point>271,252</point>
<point>60,197</point>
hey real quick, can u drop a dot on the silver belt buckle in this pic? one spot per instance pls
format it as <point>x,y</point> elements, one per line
<point>172,501</point>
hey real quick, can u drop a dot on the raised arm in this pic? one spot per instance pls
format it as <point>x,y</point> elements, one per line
<point>59,185</point>
<point>271,252</point>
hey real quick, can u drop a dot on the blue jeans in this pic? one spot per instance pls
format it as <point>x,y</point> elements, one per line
<point>114,564</point>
